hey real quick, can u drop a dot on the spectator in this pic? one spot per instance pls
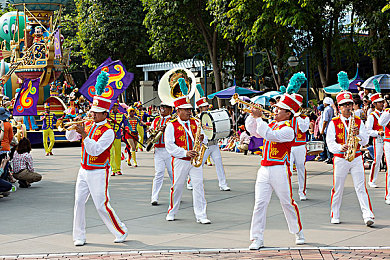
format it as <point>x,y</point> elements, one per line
<point>244,140</point>
<point>22,164</point>
<point>357,109</point>
<point>6,141</point>
<point>313,119</point>
<point>326,117</point>
<point>5,186</point>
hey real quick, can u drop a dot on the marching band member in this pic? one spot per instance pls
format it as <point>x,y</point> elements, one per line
<point>131,136</point>
<point>140,129</point>
<point>179,141</point>
<point>213,149</point>
<point>93,175</point>
<point>274,172</point>
<point>337,136</point>
<point>300,123</point>
<point>48,124</point>
<point>384,121</point>
<point>377,132</point>
<point>162,159</point>
<point>117,122</point>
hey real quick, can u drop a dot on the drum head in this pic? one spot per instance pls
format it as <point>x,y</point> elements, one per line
<point>207,125</point>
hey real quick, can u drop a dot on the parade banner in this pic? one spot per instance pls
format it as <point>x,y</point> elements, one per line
<point>57,44</point>
<point>119,80</point>
<point>27,99</point>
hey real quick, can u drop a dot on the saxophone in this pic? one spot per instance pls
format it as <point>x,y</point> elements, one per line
<point>200,148</point>
<point>352,141</point>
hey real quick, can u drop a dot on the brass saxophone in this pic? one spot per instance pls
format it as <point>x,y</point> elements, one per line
<point>200,148</point>
<point>153,138</point>
<point>352,141</point>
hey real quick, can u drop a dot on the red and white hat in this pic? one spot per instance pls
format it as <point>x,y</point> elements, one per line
<point>377,97</point>
<point>182,102</point>
<point>298,97</point>
<point>344,97</point>
<point>201,102</point>
<point>100,104</point>
<point>289,102</point>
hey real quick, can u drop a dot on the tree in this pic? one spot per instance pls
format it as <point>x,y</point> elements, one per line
<point>180,28</point>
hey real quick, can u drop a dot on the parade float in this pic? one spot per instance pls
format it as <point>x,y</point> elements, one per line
<point>32,41</point>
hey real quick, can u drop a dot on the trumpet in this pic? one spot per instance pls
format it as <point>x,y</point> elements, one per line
<point>72,125</point>
<point>235,99</point>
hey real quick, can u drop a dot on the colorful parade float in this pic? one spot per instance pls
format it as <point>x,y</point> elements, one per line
<point>32,42</point>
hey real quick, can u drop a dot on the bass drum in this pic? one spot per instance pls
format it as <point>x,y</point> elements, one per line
<point>216,124</point>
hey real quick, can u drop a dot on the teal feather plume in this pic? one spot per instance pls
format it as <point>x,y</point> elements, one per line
<point>101,83</point>
<point>200,90</point>
<point>296,82</point>
<point>183,86</point>
<point>282,89</point>
<point>377,86</point>
<point>343,80</point>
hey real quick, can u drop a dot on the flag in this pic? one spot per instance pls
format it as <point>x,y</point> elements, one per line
<point>27,99</point>
<point>57,44</point>
<point>119,80</point>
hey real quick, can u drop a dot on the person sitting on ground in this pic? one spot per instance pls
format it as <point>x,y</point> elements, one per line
<point>244,140</point>
<point>22,164</point>
<point>5,186</point>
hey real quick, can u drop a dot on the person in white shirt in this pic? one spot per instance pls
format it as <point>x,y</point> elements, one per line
<point>180,134</point>
<point>273,174</point>
<point>337,137</point>
<point>377,132</point>
<point>384,121</point>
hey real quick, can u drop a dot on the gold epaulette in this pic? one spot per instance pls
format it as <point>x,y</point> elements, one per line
<point>173,120</point>
<point>287,123</point>
<point>335,118</point>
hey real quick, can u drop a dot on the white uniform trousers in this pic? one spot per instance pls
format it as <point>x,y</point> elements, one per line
<point>341,168</point>
<point>273,178</point>
<point>387,156</point>
<point>180,170</point>
<point>94,183</point>
<point>298,156</point>
<point>376,165</point>
<point>162,160</point>
<point>215,153</point>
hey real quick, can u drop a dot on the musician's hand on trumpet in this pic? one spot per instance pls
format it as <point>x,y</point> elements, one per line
<point>80,129</point>
<point>257,113</point>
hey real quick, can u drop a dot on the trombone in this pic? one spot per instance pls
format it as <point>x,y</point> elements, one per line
<point>235,99</point>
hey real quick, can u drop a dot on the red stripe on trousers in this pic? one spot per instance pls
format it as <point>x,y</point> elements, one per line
<point>374,163</point>
<point>172,190</point>
<point>365,187</point>
<point>333,191</point>
<point>116,225</point>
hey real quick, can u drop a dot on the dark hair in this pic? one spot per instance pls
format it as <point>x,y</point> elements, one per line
<point>24,146</point>
<point>272,100</point>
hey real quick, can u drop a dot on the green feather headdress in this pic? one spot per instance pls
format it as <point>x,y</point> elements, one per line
<point>101,83</point>
<point>343,80</point>
<point>200,90</point>
<point>296,82</point>
<point>282,89</point>
<point>377,86</point>
<point>183,86</point>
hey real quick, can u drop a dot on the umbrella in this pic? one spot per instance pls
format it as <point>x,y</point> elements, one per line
<point>334,89</point>
<point>228,93</point>
<point>383,79</point>
<point>264,99</point>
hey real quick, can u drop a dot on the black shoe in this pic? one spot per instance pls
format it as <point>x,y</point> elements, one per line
<point>154,203</point>
<point>5,193</point>
<point>321,160</point>
<point>23,184</point>
<point>328,161</point>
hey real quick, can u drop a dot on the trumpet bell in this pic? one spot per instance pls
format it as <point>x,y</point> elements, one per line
<point>169,89</point>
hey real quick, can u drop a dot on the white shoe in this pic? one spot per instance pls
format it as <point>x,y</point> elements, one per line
<point>299,238</point>
<point>170,218</point>
<point>335,221</point>
<point>121,238</point>
<point>369,222</point>
<point>256,244</point>
<point>79,242</point>
<point>302,197</point>
<point>224,188</point>
<point>189,186</point>
<point>372,185</point>
<point>387,202</point>
<point>203,221</point>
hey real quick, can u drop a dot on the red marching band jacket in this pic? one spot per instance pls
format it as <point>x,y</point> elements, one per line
<point>276,153</point>
<point>158,122</point>
<point>342,134</point>
<point>102,161</point>
<point>182,139</point>
<point>375,125</point>
<point>387,129</point>
<point>300,137</point>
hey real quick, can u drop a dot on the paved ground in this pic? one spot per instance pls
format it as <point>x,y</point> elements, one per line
<point>38,220</point>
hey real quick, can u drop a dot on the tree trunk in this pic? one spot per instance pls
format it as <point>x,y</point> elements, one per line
<point>272,68</point>
<point>279,60</point>
<point>376,65</point>
<point>239,66</point>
